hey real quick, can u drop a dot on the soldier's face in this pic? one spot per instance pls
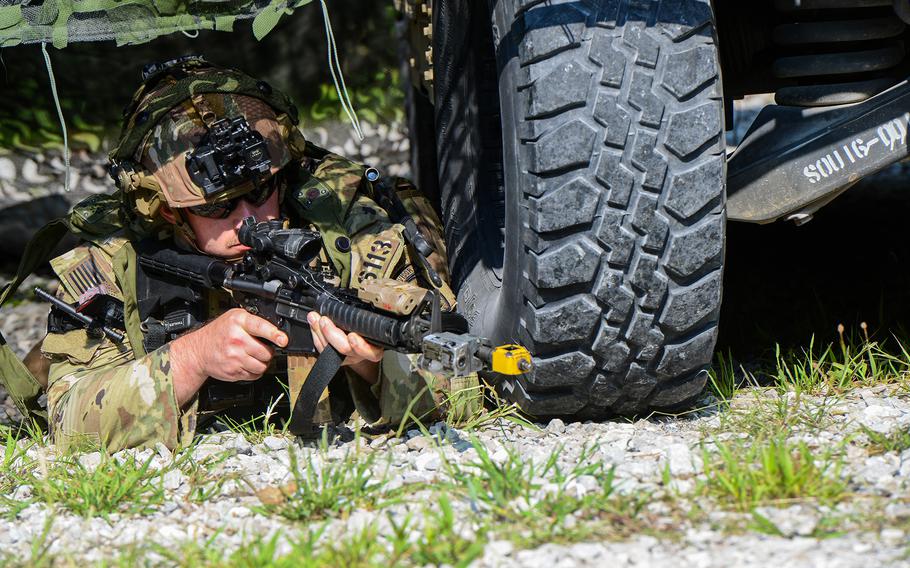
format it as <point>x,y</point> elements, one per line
<point>218,237</point>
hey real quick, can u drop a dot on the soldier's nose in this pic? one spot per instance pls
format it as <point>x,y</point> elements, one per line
<point>243,210</point>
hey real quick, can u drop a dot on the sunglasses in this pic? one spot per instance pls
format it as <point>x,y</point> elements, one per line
<point>256,197</point>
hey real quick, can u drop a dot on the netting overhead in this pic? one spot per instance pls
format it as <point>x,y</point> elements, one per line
<point>130,21</point>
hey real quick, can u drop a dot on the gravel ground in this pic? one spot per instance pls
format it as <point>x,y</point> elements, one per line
<point>642,453</point>
<point>660,460</point>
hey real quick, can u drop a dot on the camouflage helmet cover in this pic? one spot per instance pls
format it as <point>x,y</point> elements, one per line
<point>164,150</point>
<point>171,110</point>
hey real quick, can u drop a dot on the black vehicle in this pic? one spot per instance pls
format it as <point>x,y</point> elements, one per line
<point>578,151</point>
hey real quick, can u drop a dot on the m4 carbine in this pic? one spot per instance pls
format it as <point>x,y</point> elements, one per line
<point>274,280</point>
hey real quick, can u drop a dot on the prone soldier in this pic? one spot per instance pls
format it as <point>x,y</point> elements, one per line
<point>201,149</point>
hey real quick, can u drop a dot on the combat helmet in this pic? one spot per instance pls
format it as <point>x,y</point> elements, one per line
<point>195,133</point>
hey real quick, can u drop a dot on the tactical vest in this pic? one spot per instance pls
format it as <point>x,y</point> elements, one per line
<point>323,198</point>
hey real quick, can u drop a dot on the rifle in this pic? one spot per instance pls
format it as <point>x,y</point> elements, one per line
<point>274,280</point>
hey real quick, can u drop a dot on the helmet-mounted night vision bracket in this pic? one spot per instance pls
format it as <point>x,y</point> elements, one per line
<point>228,154</point>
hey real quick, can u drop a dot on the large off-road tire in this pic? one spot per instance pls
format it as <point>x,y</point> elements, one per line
<point>581,177</point>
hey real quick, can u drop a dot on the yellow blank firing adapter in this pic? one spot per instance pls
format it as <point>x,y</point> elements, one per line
<point>511,360</point>
<point>462,353</point>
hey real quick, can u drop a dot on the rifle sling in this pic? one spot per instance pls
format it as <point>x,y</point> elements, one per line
<point>304,408</point>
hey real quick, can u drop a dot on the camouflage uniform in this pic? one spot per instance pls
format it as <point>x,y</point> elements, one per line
<point>100,392</point>
<point>119,396</point>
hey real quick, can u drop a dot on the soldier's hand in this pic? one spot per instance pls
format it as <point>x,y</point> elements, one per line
<point>360,355</point>
<point>229,348</point>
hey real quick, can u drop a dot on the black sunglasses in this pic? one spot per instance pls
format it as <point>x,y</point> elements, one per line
<point>256,197</point>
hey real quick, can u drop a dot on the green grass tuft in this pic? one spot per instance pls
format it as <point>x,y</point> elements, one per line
<point>329,490</point>
<point>881,443</point>
<point>125,486</point>
<point>771,471</point>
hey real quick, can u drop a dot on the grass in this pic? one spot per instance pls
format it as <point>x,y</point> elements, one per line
<point>13,461</point>
<point>125,486</point>
<point>438,541</point>
<point>531,503</point>
<point>850,362</point>
<point>258,428</point>
<point>881,443</point>
<point>746,475</point>
<point>332,489</point>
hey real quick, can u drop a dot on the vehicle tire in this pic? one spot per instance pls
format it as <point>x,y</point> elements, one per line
<point>582,184</point>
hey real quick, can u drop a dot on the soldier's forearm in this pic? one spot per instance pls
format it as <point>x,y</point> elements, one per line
<point>367,370</point>
<point>187,371</point>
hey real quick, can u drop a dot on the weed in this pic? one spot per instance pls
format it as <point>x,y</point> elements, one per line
<point>491,413</point>
<point>329,490</point>
<point>853,363</point>
<point>114,486</point>
<point>438,542</point>
<point>722,379</point>
<point>258,428</point>
<point>532,503</point>
<point>204,485</point>
<point>880,443</point>
<point>748,475</point>
<point>765,413</point>
<point>13,461</point>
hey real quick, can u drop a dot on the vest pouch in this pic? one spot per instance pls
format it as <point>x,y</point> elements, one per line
<point>22,386</point>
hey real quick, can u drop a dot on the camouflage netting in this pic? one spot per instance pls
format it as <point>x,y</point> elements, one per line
<point>130,21</point>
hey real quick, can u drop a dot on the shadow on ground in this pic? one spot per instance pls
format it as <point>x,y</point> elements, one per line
<point>850,264</point>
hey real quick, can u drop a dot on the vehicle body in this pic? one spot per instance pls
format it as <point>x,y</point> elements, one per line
<point>578,149</point>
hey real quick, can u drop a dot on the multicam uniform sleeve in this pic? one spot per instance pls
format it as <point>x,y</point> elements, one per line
<point>99,393</point>
<point>112,399</point>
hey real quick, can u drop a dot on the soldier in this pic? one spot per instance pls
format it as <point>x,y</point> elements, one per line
<point>163,381</point>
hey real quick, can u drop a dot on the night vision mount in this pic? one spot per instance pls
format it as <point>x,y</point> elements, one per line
<point>228,154</point>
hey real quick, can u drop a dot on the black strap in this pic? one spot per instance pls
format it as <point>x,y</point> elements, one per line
<point>304,408</point>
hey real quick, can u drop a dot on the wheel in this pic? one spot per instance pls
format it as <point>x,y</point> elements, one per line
<point>581,177</point>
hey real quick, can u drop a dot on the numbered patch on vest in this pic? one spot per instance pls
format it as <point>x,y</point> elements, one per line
<point>376,256</point>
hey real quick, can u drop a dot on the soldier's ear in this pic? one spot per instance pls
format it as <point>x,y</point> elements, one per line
<point>167,214</point>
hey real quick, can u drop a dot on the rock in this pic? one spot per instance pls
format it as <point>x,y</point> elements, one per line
<point>880,469</point>
<point>880,418</point>
<point>792,521</point>
<point>7,169</point>
<point>90,461</point>
<point>556,426</point>
<point>428,460</point>
<point>418,444</point>
<point>173,479</point>
<point>682,461</point>
<point>275,443</point>
<point>163,452</point>
<point>22,493</point>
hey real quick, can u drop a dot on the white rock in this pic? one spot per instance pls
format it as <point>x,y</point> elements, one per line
<point>90,461</point>
<point>238,512</point>
<point>556,426</point>
<point>275,443</point>
<point>428,460</point>
<point>682,461</point>
<point>163,452</point>
<point>418,444</point>
<point>30,173</point>
<point>173,479</point>
<point>880,418</point>
<point>7,169</point>
<point>792,521</point>
<point>22,493</point>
